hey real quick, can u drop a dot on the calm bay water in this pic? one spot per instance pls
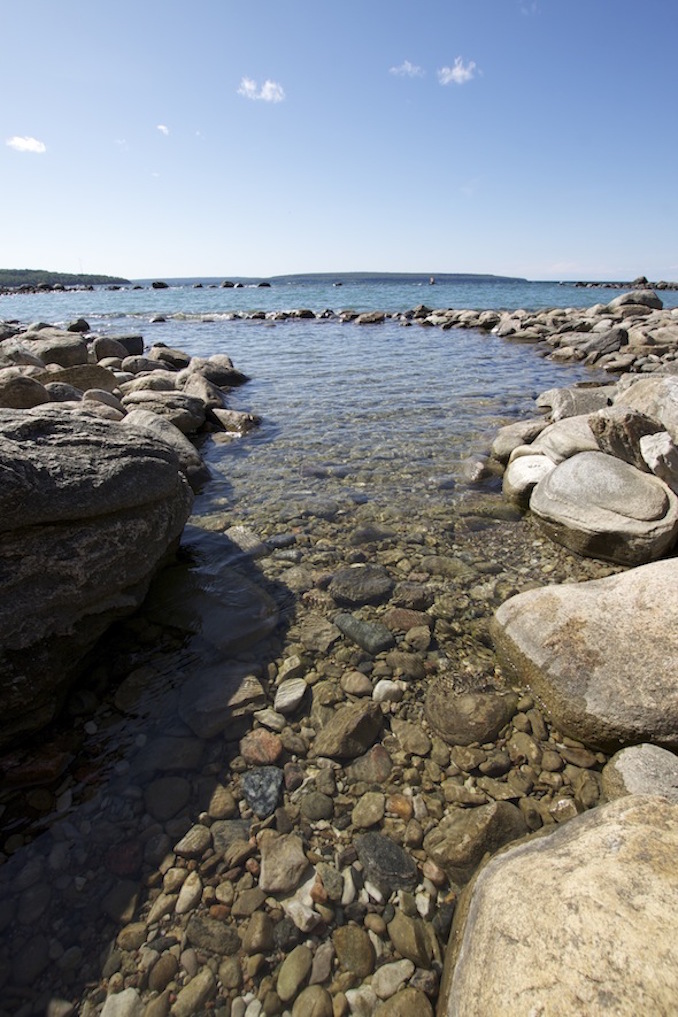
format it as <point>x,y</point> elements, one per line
<point>385,294</point>
<point>416,400</point>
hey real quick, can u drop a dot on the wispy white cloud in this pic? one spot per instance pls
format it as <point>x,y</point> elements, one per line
<point>407,70</point>
<point>24,144</point>
<point>530,8</point>
<point>163,129</point>
<point>270,91</point>
<point>458,74</point>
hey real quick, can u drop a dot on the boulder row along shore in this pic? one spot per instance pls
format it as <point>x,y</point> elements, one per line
<point>388,817</point>
<point>585,921</point>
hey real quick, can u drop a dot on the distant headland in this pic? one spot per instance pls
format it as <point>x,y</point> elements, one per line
<point>37,278</point>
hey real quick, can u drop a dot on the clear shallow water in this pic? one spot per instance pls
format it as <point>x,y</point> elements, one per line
<point>399,408</point>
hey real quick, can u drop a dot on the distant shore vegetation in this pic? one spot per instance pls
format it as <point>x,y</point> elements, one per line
<point>40,277</point>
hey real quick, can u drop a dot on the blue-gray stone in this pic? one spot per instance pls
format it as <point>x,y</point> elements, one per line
<point>370,636</point>
<point>261,788</point>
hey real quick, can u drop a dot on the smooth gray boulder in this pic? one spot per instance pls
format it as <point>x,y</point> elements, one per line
<point>82,377</point>
<point>88,511</point>
<point>582,921</point>
<point>637,298</point>
<point>19,391</point>
<point>190,461</point>
<point>184,411</point>
<point>602,507</point>
<point>523,474</point>
<point>601,656</point>
<point>572,402</point>
<point>521,432</point>
<point>641,770</point>
<point>54,346</point>
<point>561,440</point>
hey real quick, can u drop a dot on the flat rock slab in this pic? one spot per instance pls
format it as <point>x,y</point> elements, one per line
<point>373,637</point>
<point>361,584</point>
<point>350,732</point>
<point>583,921</point>
<point>601,656</point>
<point>602,507</point>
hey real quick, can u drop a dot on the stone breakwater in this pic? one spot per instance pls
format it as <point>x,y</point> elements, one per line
<point>312,815</point>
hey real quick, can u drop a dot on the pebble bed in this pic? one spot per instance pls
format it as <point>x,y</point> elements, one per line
<point>158,886</point>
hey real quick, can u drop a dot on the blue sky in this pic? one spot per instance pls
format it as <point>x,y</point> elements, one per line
<point>161,138</point>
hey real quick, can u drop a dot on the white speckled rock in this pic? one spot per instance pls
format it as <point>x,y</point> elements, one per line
<point>289,695</point>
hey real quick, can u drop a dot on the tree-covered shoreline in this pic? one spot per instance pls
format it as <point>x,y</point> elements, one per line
<point>41,277</point>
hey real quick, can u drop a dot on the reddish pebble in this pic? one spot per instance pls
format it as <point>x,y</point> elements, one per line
<point>261,747</point>
<point>400,805</point>
<point>220,911</point>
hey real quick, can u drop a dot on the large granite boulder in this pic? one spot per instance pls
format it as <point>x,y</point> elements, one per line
<point>601,656</point>
<point>645,297</point>
<point>88,510</point>
<point>582,921</point>
<point>54,346</point>
<point>602,507</point>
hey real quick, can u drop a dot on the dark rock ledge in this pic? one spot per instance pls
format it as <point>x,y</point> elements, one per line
<point>98,474</point>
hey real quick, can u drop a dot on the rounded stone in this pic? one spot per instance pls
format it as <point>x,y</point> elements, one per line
<point>315,806</point>
<point>354,950</point>
<point>261,747</point>
<point>467,717</point>
<point>361,584</point>
<point>314,1001</point>
<point>408,1002</point>
<point>369,810</point>
<point>162,972</point>
<point>294,971</point>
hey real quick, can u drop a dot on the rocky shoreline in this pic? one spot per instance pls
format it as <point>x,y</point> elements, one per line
<point>304,843</point>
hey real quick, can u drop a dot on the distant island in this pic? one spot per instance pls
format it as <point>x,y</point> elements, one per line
<point>348,277</point>
<point>34,277</point>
